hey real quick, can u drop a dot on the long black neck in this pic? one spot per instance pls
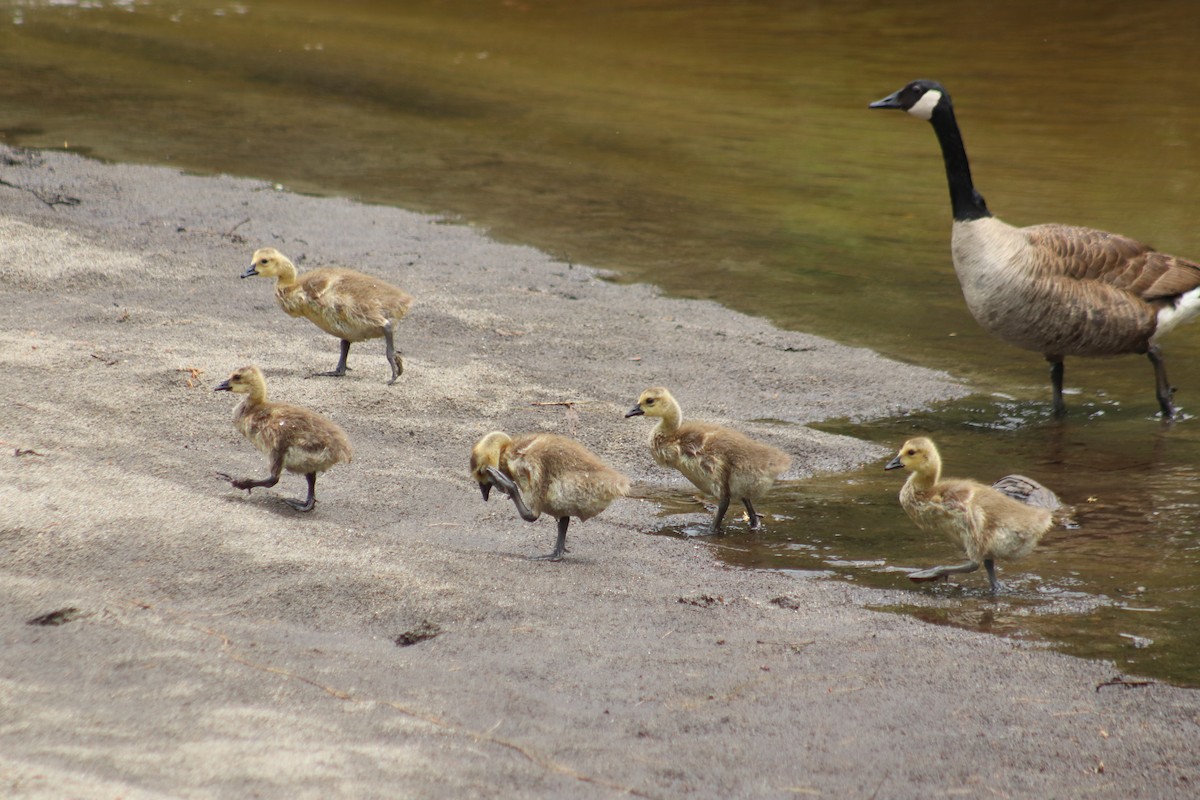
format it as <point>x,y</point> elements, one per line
<point>966,203</point>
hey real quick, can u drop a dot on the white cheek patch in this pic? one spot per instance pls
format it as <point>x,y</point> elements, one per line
<point>923,108</point>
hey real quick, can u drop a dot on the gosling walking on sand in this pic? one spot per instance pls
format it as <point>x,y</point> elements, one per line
<point>349,305</point>
<point>720,461</point>
<point>291,437</point>
<point>546,473</point>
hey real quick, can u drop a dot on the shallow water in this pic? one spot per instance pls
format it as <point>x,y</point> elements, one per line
<point>725,151</point>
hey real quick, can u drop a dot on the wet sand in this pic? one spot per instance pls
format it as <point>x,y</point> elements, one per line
<point>223,645</point>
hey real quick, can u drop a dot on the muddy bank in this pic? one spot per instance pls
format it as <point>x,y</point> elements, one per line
<point>396,641</point>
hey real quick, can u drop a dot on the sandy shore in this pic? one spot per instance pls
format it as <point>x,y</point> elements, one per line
<point>226,646</point>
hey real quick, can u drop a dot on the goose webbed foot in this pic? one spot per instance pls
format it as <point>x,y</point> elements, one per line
<point>501,481</point>
<point>340,370</point>
<point>395,360</point>
<point>997,586</point>
<point>309,502</point>
<point>719,517</point>
<point>937,573</point>
<point>560,546</point>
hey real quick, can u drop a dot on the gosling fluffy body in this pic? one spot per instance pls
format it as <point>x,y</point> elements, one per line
<point>719,461</point>
<point>988,522</point>
<point>1057,290</point>
<point>545,473</point>
<point>349,305</point>
<point>291,437</point>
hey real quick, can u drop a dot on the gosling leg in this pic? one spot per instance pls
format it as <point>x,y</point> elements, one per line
<point>340,370</point>
<point>934,573</point>
<point>1163,389</point>
<point>395,361</point>
<point>510,488</point>
<point>249,483</point>
<point>722,507</point>
<point>990,565</point>
<point>308,503</point>
<point>755,517</point>
<point>1056,384</point>
<point>560,546</point>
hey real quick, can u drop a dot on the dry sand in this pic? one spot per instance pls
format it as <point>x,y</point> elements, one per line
<point>226,646</point>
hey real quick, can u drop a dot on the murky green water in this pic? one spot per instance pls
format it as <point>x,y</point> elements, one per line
<point>725,151</point>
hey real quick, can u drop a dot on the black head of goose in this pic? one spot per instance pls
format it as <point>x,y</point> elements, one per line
<point>1055,289</point>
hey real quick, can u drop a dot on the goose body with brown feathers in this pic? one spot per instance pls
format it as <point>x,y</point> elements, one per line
<point>1002,521</point>
<point>544,473</point>
<point>342,302</point>
<point>719,461</point>
<point>291,437</point>
<point>1058,290</point>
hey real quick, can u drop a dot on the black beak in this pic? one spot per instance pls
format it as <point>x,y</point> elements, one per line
<point>250,272</point>
<point>223,386</point>
<point>485,489</point>
<point>636,411</point>
<point>894,463</point>
<point>891,101</point>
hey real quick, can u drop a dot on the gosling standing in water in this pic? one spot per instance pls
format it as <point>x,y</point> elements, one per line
<point>546,473</point>
<point>293,438</point>
<point>721,462</point>
<point>1004,520</point>
<point>349,305</point>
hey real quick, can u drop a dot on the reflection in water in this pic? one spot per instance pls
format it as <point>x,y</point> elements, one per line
<point>725,151</point>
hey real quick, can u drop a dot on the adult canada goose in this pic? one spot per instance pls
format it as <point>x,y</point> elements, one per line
<point>1004,520</point>
<point>293,438</point>
<point>349,305</point>
<point>721,462</point>
<point>546,473</point>
<point>1055,289</point>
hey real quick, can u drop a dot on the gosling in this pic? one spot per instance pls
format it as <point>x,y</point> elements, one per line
<point>720,462</point>
<point>293,438</point>
<point>349,305</point>
<point>546,473</point>
<point>1002,521</point>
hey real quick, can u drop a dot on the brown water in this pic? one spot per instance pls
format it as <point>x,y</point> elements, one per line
<point>725,151</point>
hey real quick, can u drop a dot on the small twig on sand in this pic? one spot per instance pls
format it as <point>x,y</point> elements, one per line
<point>1126,682</point>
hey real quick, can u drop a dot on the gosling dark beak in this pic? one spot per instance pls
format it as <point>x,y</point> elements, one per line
<point>894,463</point>
<point>223,386</point>
<point>891,101</point>
<point>636,411</point>
<point>485,489</point>
<point>250,272</point>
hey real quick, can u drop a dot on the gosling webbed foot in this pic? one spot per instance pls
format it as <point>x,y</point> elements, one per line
<point>560,545</point>
<point>397,369</point>
<point>301,505</point>
<point>752,516</point>
<point>248,483</point>
<point>936,573</point>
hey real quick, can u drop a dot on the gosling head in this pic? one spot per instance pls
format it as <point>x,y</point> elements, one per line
<point>653,402</point>
<point>485,461</point>
<point>269,263</point>
<point>917,455</point>
<point>918,98</point>
<point>244,380</point>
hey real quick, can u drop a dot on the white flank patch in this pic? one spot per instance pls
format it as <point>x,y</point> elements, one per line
<point>923,108</point>
<point>1183,311</point>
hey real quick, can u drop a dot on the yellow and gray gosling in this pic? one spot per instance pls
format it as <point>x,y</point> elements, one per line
<point>721,462</point>
<point>349,305</point>
<point>1002,521</point>
<point>291,437</point>
<point>546,473</point>
<point>1057,290</point>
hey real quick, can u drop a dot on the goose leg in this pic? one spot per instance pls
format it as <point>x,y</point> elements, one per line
<point>1056,383</point>
<point>1162,387</point>
<point>394,361</point>
<point>310,501</point>
<point>754,515</point>
<point>340,370</point>
<point>934,573</point>
<point>560,546</point>
<point>722,507</point>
